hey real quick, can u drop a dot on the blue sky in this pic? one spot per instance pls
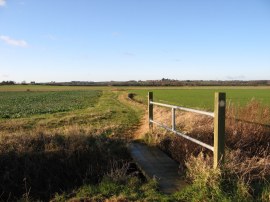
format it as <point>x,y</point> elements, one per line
<point>98,40</point>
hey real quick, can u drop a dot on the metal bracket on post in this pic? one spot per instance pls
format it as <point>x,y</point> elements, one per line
<point>150,110</point>
<point>219,129</point>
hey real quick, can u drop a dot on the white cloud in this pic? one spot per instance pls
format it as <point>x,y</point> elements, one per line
<point>2,2</point>
<point>13,42</point>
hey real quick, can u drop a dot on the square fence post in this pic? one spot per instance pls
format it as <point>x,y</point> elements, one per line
<point>150,110</point>
<point>219,129</point>
<point>173,118</point>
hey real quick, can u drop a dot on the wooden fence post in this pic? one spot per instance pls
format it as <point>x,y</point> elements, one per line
<point>173,119</point>
<point>219,129</point>
<point>150,110</point>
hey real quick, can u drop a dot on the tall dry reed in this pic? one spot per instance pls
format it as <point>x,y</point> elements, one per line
<point>247,138</point>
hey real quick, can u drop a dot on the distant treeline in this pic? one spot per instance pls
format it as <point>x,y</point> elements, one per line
<point>162,82</point>
<point>7,83</point>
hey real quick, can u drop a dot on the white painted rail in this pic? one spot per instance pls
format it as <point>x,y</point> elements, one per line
<point>184,108</point>
<point>185,136</point>
<point>219,124</point>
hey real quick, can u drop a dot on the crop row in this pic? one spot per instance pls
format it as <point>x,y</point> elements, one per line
<point>25,104</point>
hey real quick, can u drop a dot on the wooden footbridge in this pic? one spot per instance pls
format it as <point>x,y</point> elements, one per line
<point>155,164</point>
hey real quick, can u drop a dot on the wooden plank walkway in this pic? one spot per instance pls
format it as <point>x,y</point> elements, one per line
<point>156,164</point>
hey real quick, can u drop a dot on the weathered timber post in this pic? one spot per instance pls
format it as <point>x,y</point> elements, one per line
<point>219,129</point>
<point>150,110</point>
<point>173,119</point>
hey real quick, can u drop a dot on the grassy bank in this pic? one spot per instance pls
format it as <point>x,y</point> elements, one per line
<point>51,153</point>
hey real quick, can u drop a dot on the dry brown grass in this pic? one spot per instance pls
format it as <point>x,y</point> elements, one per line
<point>200,171</point>
<point>247,138</point>
<point>46,163</point>
<point>248,128</point>
<point>197,126</point>
<point>248,169</point>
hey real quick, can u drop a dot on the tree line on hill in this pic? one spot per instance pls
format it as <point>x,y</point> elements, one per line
<point>161,82</point>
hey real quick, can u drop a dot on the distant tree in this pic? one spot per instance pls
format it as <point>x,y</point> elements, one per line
<point>7,83</point>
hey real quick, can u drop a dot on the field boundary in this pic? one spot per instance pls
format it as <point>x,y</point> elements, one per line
<point>219,124</point>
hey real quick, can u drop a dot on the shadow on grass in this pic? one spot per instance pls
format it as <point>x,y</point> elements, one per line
<point>38,167</point>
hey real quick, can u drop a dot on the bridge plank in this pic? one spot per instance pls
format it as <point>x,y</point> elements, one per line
<point>156,164</point>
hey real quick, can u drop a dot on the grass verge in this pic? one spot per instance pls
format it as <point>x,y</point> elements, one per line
<point>57,153</point>
<point>246,173</point>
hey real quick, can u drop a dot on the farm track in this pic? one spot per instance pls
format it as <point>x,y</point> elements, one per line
<point>95,118</point>
<point>153,162</point>
<point>142,127</point>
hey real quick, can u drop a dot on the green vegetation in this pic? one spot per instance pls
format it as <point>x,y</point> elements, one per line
<point>48,88</point>
<point>24,104</point>
<point>69,143</point>
<point>51,153</point>
<point>127,188</point>
<point>203,98</point>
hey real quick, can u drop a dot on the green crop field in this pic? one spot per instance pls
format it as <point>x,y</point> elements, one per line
<point>203,98</point>
<point>25,104</point>
<point>55,139</point>
<point>65,143</point>
<point>47,88</point>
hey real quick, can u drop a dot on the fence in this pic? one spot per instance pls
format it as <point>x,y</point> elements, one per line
<point>219,124</point>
